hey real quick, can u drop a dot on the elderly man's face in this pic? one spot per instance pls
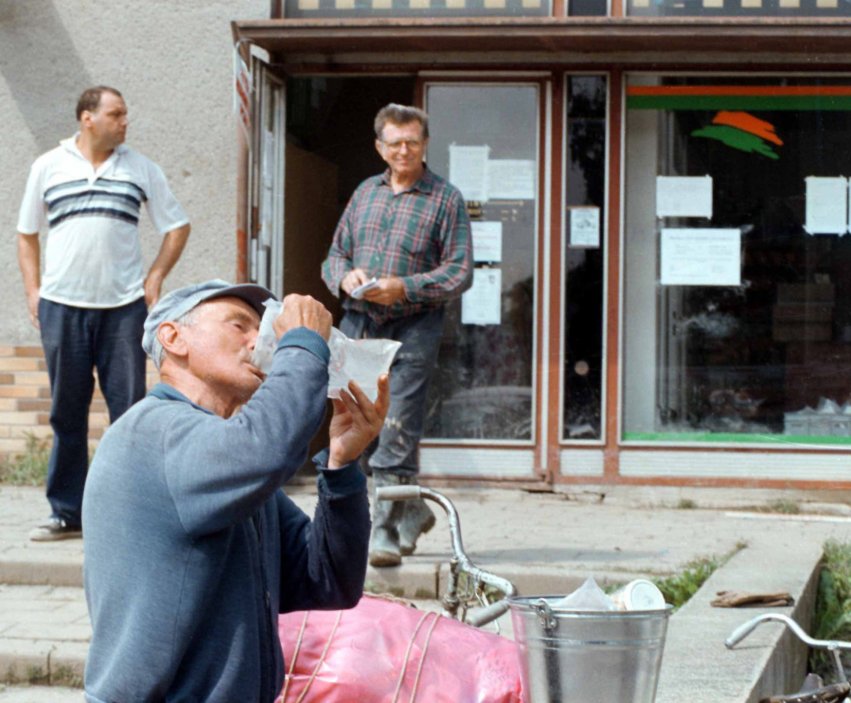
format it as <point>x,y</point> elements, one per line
<point>221,339</point>
<point>402,147</point>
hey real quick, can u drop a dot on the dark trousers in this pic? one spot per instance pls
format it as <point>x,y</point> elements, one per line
<point>76,341</point>
<point>410,375</point>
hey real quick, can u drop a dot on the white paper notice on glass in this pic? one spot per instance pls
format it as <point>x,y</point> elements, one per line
<point>481,305</point>
<point>684,196</point>
<point>487,241</point>
<point>468,171</point>
<point>827,205</point>
<point>701,257</point>
<point>511,179</point>
<point>585,227</point>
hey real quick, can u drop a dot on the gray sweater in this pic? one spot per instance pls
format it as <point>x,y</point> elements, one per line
<point>192,549</point>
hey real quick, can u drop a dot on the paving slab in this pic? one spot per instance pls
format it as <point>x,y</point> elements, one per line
<point>40,694</point>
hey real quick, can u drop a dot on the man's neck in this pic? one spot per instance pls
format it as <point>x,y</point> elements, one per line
<point>403,183</point>
<point>196,391</point>
<point>91,151</point>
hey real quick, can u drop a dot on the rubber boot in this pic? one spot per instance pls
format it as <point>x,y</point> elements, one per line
<point>417,519</point>
<point>384,541</point>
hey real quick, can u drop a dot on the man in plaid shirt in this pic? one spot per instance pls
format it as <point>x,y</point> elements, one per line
<point>405,232</point>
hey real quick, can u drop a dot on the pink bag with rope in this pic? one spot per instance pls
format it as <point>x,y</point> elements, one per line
<point>383,651</point>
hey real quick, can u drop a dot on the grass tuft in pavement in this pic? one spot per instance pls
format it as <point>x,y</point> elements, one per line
<point>681,586</point>
<point>29,468</point>
<point>832,616</point>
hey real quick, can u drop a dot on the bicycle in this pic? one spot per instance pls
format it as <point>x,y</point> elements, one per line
<point>814,690</point>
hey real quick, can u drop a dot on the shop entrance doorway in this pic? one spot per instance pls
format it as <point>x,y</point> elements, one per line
<point>330,149</point>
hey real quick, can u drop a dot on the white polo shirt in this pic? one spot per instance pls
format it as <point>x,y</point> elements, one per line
<point>93,255</point>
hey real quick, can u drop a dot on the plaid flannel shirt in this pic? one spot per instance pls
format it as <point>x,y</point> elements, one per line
<point>422,235</point>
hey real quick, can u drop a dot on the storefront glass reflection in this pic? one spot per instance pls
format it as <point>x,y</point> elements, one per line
<point>484,139</point>
<point>737,295</point>
<point>584,251</point>
<point>737,8</point>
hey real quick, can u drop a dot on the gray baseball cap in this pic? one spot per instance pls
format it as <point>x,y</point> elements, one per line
<point>177,303</point>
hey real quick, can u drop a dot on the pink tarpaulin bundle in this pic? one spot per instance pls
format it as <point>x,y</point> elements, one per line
<point>382,651</point>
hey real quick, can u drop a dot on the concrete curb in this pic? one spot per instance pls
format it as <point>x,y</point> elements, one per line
<point>698,667</point>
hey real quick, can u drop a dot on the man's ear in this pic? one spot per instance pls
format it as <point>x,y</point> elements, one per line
<point>172,340</point>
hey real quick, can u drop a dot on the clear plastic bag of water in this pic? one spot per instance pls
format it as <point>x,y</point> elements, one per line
<point>361,360</point>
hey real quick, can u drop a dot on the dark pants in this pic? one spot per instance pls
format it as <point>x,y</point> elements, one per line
<point>77,340</point>
<point>410,375</point>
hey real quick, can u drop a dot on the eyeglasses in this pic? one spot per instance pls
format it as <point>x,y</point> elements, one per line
<point>412,144</point>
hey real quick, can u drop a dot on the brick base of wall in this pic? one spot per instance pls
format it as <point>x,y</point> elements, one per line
<point>25,401</point>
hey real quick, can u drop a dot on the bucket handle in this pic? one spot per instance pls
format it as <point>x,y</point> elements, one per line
<point>545,615</point>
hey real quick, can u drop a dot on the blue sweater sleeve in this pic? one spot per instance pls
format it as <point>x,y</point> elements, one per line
<point>220,471</point>
<point>324,560</point>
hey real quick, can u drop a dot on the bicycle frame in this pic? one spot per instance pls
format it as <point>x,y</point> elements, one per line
<point>460,563</point>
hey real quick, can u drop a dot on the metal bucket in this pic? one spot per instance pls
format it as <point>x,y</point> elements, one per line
<point>576,656</point>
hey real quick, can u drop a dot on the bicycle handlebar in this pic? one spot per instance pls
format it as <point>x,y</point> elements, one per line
<point>464,562</point>
<point>398,492</point>
<point>489,614</point>
<point>744,630</point>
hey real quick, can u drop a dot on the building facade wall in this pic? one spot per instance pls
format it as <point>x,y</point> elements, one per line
<point>173,63</point>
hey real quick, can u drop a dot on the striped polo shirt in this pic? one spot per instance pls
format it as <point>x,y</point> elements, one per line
<point>93,255</point>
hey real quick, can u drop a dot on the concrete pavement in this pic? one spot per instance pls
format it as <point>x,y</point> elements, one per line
<point>546,543</point>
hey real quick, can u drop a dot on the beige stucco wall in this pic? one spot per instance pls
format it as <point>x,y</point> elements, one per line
<point>173,62</point>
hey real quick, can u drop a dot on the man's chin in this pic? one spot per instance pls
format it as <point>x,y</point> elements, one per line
<point>254,383</point>
<point>258,374</point>
<point>245,393</point>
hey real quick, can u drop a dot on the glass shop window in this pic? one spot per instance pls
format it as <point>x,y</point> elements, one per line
<point>587,8</point>
<point>484,139</point>
<point>737,284</point>
<point>308,9</point>
<point>738,8</point>
<point>584,253</point>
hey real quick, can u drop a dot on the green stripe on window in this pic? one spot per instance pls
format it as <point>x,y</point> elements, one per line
<point>739,102</point>
<point>731,438</point>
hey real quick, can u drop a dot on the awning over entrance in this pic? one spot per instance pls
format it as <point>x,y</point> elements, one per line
<point>333,39</point>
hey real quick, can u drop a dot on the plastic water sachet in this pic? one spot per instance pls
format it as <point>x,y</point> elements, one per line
<point>266,342</point>
<point>589,596</point>
<point>360,360</point>
<point>358,292</point>
<point>639,594</point>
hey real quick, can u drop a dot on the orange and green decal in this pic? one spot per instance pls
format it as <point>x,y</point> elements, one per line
<point>742,131</point>
<point>748,123</point>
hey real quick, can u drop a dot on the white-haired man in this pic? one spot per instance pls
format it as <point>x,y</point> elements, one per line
<point>192,549</point>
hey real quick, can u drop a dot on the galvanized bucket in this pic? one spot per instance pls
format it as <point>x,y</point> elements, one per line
<point>578,656</point>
